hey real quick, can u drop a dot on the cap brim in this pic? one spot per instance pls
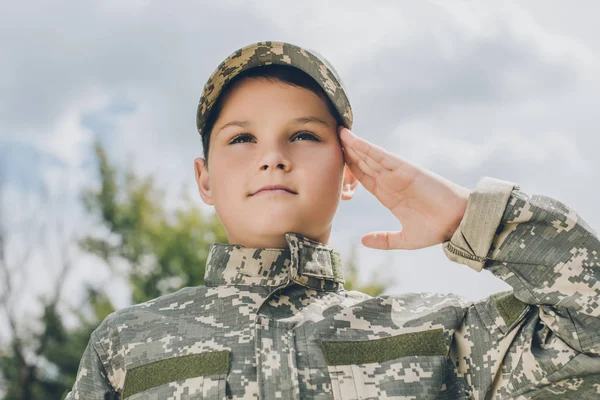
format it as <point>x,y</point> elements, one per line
<point>268,53</point>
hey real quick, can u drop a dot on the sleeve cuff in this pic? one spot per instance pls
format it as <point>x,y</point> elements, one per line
<point>472,240</point>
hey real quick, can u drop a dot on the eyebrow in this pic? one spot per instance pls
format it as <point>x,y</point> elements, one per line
<point>306,120</point>
<point>300,120</point>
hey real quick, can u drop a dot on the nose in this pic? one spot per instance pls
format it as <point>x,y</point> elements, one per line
<point>275,160</point>
<point>282,165</point>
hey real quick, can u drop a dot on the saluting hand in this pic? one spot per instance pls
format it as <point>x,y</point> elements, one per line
<point>428,206</point>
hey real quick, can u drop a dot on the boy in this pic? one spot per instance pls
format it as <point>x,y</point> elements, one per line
<point>274,320</point>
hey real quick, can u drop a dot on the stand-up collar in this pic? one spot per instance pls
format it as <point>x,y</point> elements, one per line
<point>305,261</point>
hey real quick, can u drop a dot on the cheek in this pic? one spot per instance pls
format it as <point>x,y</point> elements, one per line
<point>326,171</point>
<point>226,181</point>
<point>334,161</point>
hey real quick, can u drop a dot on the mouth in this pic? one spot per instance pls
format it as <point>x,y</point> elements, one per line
<point>273,191</point>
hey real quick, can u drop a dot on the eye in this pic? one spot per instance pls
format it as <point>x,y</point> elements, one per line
<point>236,139</point>
<point>241,138</point>
<point>308,135</point>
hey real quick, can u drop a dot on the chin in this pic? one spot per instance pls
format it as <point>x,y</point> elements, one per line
<point>272,228</point>
<point>276,215</point>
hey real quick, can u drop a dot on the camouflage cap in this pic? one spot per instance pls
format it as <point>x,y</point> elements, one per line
<point>267,53</point>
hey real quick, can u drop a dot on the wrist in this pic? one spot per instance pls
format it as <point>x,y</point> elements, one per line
<point>459,212</point>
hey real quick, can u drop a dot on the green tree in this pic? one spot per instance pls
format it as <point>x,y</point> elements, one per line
<point>39,356</point>
<point>373,287</point>
<point>43,364</point>
<point>163,250</point>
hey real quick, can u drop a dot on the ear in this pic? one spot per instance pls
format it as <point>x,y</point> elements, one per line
<point>202,179</point>
<point>349,184</point>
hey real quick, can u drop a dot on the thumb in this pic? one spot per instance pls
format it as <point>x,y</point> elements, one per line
<point>384,240</point>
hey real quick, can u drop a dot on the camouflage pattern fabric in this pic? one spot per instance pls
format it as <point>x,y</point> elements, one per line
<point>266,53</point>
<point>278,324</point>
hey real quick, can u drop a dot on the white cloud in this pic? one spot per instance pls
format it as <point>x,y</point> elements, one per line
<point>426,145</point>
<point>66,138</point>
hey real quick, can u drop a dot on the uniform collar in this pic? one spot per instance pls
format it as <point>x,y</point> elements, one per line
<point>305,261</point>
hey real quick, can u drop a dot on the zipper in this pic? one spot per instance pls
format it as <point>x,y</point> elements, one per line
<point>453,249</point>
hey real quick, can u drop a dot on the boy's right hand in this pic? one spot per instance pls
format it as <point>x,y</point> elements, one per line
<point>428,206</point>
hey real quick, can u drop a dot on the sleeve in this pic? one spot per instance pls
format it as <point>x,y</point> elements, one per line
<point>91,382</point>
<point>542,339</point>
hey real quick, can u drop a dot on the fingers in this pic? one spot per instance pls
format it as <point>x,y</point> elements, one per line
<point>385,240</point>
<point>360,163</point>
<point>366,163</point>
<point>360,170</point>
<point>373,156</point>
<point>365,171</point>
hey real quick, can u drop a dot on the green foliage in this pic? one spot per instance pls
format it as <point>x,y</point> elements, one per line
<point>164,251</point>
<point>373,287</point>
<point>43,365</point>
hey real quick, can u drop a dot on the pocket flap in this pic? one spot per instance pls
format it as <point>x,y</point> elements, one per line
<point>425,343</point>
<point>175,369</point>
<point>509,307</point>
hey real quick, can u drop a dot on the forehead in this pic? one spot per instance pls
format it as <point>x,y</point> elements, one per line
<point>261,96</point>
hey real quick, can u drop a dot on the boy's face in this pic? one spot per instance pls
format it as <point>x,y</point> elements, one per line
<point>289,138</point>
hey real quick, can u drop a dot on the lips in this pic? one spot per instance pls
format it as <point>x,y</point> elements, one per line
<point>274,187</point>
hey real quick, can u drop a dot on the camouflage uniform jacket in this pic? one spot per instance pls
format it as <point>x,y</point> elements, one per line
<point>277,323</point>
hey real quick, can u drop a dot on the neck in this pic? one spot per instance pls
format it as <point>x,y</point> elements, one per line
<point>278,241</point>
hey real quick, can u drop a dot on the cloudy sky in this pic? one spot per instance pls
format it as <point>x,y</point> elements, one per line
<point>465,89</point>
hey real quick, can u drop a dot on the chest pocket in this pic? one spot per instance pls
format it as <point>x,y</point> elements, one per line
<point>194,376</point>
<point>410,365</point>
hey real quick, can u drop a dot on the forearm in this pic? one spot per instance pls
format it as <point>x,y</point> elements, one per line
<point>540,247</point>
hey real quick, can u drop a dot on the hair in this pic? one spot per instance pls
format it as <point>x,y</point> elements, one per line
<point>275,72</point>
